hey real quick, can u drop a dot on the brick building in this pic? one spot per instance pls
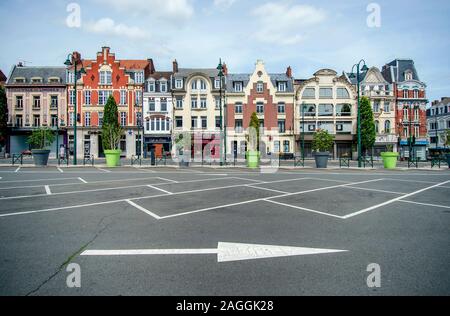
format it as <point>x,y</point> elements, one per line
<point>105,76</point>
<point>411,100</point>
<point>271,96</point>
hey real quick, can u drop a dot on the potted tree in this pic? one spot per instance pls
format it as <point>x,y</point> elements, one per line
<point>253,153</point>
<point>322,143</point>
<point>111,133</point>
<point>40,140</point>
<point>390,158</point>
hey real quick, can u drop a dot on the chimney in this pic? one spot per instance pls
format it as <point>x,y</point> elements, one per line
<point>225,69</point>
<point>289,72</point>
<point>175,66</point>
<point>20,64</point>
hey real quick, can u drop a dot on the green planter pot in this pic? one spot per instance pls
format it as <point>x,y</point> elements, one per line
<point>112,158</point>
<point>253,159</point>
<point>321,159</point>
<point>40,157</point>
<point>390,160</point>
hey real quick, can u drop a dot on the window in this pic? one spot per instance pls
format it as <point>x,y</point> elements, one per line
<point>36,120</point>
<point>54,101</point>
<point>70,77</point>
<point>281,108</point>
<point>327,126</point>
<point>179,103</point>
<point>72,97</point>
<point>123,118</point>
<point>194,103</point>
<point>204,122</point>
<point>19,80</point>
<point>259,87</point>
<point>19,102</point>
<point>36,102</point>
<point>217,83</point>
<point>238,86</point>
<point>163,105</point>
<point>202,85</point>
<point>157,124</point>
<point>239,126</point>
<point>405,114</point>
<point>138,96</point>
<point>163,87</point>
<point>417,131</point>
<point>194,85</point>
<point>325,109</point>
<point>311,127</point>
<point>342,93</point>
<point>139,77</point>
<point>151,86</point>
<point>387,107</point>
<point>276,146</point>
<point>238,108</point>
<point>36,80</point>
<point>54,120</point>
<point>343,127</point>
<point>19,121</point>
<point>87,97</point>
<point>376,107</point>
<point>343,109</point>
<point>103,96</point>
<point>416,94</point>
<point>123,97</point>
<point>408,75</point>
<point>281,126</point>
<point>377,127</point>
<point>179,83</point>
<point>218,122</point>
<point>286,146</point>
<point>203,103</point>
<point>100,119</point>
<point>326,93</point>
<point>416,114</point>
<point>309,93</point>
<point>87,119</point>
<point>152,105</point>
<point>387,127</point>
<point>106,77</point>
<point>194,120</point>
<point>71,119</point>
<point>282,86</point>
<point>260,108</point>
<point>405,94</point>
<point>179,122</point>
<point>309,110</point>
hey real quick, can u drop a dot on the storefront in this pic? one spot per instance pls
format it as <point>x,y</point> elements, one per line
<point>417,150</point>
<point>159,144</point>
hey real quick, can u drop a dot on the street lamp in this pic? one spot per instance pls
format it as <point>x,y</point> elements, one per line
<point>303,130</point>
<point>358,80</point>
<point>71,61</point>
<point>223,143</point>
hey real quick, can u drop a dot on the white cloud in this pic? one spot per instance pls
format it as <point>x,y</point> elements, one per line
<point>107,26</point>
<point>170,9</point>
<point>224,4</point>
<point>284,23</point>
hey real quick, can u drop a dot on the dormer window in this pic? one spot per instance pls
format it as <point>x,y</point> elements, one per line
<point>163,86</point>
<point>19,80</point>
<point>36,80</point>
<point>259,87</point>
<point>151,86</point>
<point>106,77</point>
<point>238,86</point>
<point>179,83</point>
<point>408,75</point>
<point>53,80</point>
<point>282,86</point>
<point>139,77</point>
<point>217,83</point>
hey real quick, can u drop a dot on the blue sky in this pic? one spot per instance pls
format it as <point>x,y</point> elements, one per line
<point>307,35</point>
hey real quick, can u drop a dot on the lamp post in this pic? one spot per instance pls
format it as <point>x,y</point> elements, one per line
<point>358,82</point>
<point>223,143</point>
<point>71,61</point>
<point>303,130</point>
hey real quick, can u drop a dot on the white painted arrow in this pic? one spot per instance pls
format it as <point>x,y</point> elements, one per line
<point>226,252</point>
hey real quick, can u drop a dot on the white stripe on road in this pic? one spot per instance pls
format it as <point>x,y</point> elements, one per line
<point>60,170</point>
<point>425,204</point>
<point>168,180</point>
<point>47,190</point>
<point>104,170</point>
<point>254,186</point>
<point>303,209</point>
<point>376,190</point>
<point>17,170</point>
<point>82,180</point>
<point>158,189</point>
<point>393,200</point>
<point>143,209</point>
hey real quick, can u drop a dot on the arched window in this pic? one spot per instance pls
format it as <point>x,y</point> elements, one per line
<point>194,85</point>
<point>202,84</point>
<point>387,127</point>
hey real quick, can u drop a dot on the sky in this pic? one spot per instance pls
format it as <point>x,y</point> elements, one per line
<point>306,35</point>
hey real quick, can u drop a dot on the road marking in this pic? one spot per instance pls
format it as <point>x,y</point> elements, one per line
<point>17,170</point>
<point>254,186</point>
<point>411,181</point>
<point>226,252</point>
<point>146,170</point>
<point>251,180</point>
<point>37,180</point>
<point>104,170</point>
<point>143,209</point>
<point>303,209</point>
<point>168,180</point>
<point>393,200</point>
<point>425,204</point>
<point>47,190</point>
<point>60,170</point>
<point>376,190</point>
<point>158,189</point>
<point>82,180</point>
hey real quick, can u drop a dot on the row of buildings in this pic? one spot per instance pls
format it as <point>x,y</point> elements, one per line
<point>156,106</point>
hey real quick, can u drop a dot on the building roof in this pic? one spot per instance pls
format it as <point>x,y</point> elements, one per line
<point>160,74</point>
<point>186,72</point>
<point>37,72</point>
<point>134,64</point>
<point>2,76</point>
<point>396,69</point>
<point>245,78</point>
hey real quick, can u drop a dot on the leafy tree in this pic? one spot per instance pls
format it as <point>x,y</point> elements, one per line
<point>368,134</point>
<point>322,141</point>
<point>111,130</point>
<point>41,138</point>
<point>3,117</point>
<point>254,132</point>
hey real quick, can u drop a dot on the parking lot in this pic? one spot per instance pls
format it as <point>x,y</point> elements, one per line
<point>208,231</point>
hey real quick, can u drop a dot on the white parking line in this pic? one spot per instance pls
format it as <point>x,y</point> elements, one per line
<point>143,209</point>
<point>425,204</point>
<point>158,189</point>
<point>104,170</point>
<point>393,200</point>
<point>168,180</point>
<point>17,170</point>
<point>376,190</point>
<point>37,180</point>
<point>251,180</point>
<point>47,190</point>
<point>82,180</point>
<point>60,170</point>
<point>303,209</point>
<point>266,189</point>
